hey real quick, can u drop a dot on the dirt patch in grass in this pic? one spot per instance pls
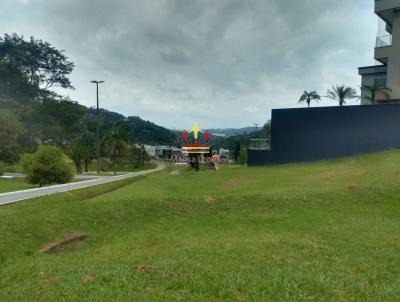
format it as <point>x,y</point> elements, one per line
<point>88,278</point>
<point>234,182</point>
<point>144,269</point>
<point>54,247</point>
<point>176,274</point>
<point>338,173</point>
<point>352,187</point>
<point>47,279</point>
<point>358,189</point>
<point>210,200</point>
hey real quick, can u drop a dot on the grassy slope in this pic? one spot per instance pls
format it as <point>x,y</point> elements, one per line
<point>326,231</point>
<point>8,185</point>
<point>16,184</point>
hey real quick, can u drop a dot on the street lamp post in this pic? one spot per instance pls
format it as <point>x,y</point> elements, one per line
<point>97,127</point>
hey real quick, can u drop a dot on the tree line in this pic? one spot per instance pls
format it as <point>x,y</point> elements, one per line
<point>32,114</point>
<point>343,93</point>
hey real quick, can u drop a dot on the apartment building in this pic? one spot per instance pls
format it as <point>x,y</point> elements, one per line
<point>387,53</point>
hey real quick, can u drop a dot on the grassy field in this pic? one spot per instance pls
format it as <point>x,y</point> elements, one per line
<point>16,184</point>
<point>326,231</point>
<point>7,185</point>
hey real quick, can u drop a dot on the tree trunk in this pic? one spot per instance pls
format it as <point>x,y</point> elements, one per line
<point>78,168</point>
<point>114,161</point>
<point>194,161</point>
<point>86,165</point>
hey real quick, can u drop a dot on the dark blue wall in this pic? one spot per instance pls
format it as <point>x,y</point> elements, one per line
<point>310,134</point>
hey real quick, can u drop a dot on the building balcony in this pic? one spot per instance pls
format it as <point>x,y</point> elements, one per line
<point>383,41</point>
<point>382,49</point>
<point>385,10</point>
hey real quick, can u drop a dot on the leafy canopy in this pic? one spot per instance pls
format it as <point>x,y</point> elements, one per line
<point>373,90</point>
<point>38,62</point>
<point>46,166</point>
<point>307,97</point>
<point>341,94</point>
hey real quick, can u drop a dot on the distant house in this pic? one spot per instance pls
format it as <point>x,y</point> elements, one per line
<point>218,134</point>
<point>166,152</point>
<point>151,150</point>
<point>222,155</point>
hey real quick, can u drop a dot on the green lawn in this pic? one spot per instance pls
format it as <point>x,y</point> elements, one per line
<point>16,184</point>
<point>121,168</point>
<point>326,231</point>
<point>8,185</point>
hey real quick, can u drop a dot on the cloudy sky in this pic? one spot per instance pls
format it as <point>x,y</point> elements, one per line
<point>223,63</point>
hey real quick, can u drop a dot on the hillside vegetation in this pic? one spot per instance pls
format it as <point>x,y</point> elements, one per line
<point>31,113</point>
<point>325,231</point>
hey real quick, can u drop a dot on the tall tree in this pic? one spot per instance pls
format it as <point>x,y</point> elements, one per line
<point>10,130</point>
<point>77,153</point>
<point>116,144</point>
<point>242,156</point>
<point>341,94</point>
<point>42,64</point>
<point>88,140</point>
<point>307,97</point>
<point>373,90</point>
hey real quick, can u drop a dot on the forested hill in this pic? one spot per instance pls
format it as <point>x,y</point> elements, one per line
<point>233,143</point>
<point>32,114</point>
<point>133,128</point>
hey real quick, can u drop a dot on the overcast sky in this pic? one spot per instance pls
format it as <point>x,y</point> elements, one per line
<point>223,63</point>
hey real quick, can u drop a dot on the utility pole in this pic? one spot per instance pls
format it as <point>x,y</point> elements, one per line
<point>97,126</point>
<point>256,140</point>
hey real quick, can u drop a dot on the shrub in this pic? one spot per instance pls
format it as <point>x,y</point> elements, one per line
<point>77,153</point>
<point>242,157</point>
<point>105,164</point>
<point>46,166</point>
<point>1,168</point>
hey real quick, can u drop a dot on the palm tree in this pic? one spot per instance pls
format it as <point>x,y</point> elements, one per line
<point>373,90</point>
<point>76,153</point>
<point>116,143</point>
<point>341,94</point>
<point>308,97</point>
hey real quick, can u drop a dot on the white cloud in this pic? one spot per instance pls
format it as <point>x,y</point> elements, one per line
<point>222,63</point>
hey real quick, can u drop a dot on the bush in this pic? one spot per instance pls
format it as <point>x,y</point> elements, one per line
<point>242,157</point>
<point>105,164</point>
<point>1,168</point>
<point>46,166</point>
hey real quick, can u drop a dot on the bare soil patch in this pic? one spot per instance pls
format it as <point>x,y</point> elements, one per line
<point>209,200</point>
<point>68,240</point>
<point>144,269</point>
<point>234,182</point>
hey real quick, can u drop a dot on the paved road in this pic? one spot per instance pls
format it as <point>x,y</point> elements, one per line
<point>10,197</point>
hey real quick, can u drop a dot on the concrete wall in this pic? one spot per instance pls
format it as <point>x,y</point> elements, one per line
<point>390,55</point>
<point>310,134</point>
<point>393,71</point>
<point>382,5</point>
